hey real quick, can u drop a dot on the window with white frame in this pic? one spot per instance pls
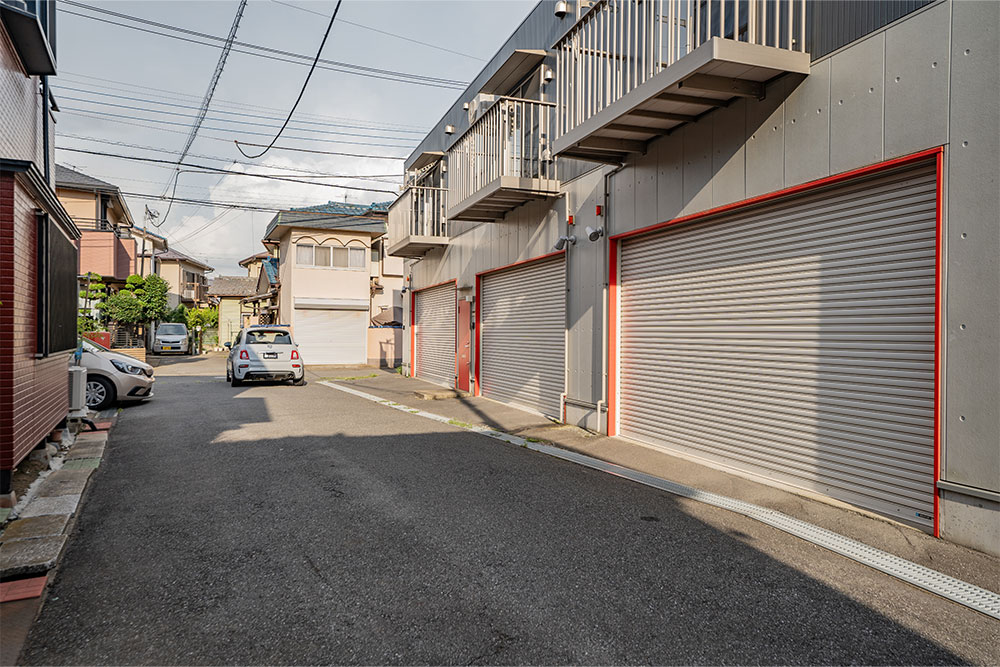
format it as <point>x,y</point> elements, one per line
<point>326,256</point>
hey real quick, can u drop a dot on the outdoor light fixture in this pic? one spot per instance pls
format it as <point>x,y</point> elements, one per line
<point>563,240</point>
<point>449,129</point>
<point>594,234</point>
<point>561,9</point>
<point>548,74</point>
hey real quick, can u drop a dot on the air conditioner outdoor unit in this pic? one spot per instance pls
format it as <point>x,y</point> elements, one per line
<point>479,105</point>
<point>189,294</point>
<point>77,391</point>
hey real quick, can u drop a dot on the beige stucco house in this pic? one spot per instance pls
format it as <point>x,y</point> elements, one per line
<point>228,293</point>
<point>186,277</point>
<point>330,279</point>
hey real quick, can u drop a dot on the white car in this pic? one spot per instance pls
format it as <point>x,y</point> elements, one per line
<point>264,353</point>
<point>112,376</point>
<point>171,337</point>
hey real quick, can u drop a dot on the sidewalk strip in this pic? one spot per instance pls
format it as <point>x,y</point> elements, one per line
<point>956,590</point>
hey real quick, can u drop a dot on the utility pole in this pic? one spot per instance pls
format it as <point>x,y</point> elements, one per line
<point>148,216</point>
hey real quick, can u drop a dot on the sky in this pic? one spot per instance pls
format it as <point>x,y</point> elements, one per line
<point>136,93</point>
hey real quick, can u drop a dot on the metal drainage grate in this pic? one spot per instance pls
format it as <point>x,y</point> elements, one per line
<point>956,590</point>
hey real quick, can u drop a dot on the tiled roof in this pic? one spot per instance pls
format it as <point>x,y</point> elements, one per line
<point>335,215</point>
<point>177,256</point>
<point>247,260</point>
<point>232,286</point>
<point>66,177</point>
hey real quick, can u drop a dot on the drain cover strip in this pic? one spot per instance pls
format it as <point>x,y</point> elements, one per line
<point>956,590</point>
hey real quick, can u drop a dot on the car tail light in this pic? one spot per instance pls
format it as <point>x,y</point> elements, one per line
<point>296,366</point>
<point>244,355</point>
<point>295,354</point>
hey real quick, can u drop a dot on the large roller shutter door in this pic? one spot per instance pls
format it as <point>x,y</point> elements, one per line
<point>794,341</point>
<point>523,336</point>
<point>435,334</point>
<point>332,336</point>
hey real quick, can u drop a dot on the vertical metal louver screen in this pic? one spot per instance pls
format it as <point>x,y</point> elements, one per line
<point>793,341</point>
<point>435,334</point>
<point>523,335</point>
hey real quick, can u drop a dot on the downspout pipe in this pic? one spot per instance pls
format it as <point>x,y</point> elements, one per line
<point>45,130</point>
<point>603,403</point>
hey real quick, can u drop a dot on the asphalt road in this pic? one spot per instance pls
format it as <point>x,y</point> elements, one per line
<point>291,525</point>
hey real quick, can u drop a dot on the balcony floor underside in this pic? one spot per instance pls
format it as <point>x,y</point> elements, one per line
<point>416,246</point>
<point>501,196</point>
<point>711,76</point>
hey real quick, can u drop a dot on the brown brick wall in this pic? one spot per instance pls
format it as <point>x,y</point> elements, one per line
<point>34,393</point>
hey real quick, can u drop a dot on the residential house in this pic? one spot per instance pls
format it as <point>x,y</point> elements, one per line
<point>762,235</point>
<point>150,245</point>
<point>333,277</point>
<point>186,278</point>
<point>253,263</point>
<point>263,303</point>
<point>228,293</point>
<point>38,253</point>
<point>107,245</point>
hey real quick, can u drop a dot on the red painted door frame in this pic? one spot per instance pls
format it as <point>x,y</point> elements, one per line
<point>464,342</point>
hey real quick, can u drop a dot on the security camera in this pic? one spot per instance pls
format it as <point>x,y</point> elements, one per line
<point>594,234</point>
<point>563,240</point>
<point>561,9</point>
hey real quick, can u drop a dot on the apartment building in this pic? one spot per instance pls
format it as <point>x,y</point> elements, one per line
<point>760,235</point>
<point>107,245</point>
<point>38,255</point>
<point>332,281</point>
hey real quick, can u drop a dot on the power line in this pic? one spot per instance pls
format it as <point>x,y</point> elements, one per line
<point>302,92</point>
<point>383,32</point>
<point>211,157</point>
<point>216,170</point>
<point>74,111</point>
<point>173,94</point>
<point>222,120</point>
<point>305,150</point>
<point>215,111</point>
<point>350,68</point>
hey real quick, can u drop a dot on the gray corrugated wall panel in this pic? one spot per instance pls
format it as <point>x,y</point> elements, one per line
<point>831,24</point>
<point>971,419</point>
<point>435,334</point>
<point>522,335</point>
<point>793,341</point>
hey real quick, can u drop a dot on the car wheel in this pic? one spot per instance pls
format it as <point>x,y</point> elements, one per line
<point>233,380</point>
<point>299,381</point>
<point>100,393</point>
<point>229,374</point>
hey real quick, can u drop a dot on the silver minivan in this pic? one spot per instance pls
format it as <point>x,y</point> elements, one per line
<point>171,337</point>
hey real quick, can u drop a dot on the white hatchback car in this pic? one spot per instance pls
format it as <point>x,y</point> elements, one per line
<point>263,352</point>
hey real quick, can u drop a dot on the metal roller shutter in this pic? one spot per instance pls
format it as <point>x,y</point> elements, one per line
<point>794,341</point>
<point>331,336</point>
<point>523,335</point>
<point>434,312</point>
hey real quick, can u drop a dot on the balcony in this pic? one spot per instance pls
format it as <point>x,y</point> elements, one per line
<point>195,292</point>
<point>418,221</point>
<point>502,161</point>
<point>630,71</point>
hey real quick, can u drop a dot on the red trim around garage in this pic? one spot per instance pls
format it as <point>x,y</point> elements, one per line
<point>479,293</point>
<point>613,306</point>
<point>939,164</point>
<point>413,323</point>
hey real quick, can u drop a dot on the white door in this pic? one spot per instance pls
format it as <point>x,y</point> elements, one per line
<point>434,315</point>
<point>794,341</point>
<point>331,336</point>
<point>522,337</point>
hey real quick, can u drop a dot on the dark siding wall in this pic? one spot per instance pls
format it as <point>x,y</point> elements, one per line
<point>831,24</point>
<point>62,302</point>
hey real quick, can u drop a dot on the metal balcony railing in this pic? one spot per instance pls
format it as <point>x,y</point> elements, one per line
<point>620,44</point>
<point>505,149</point>
<point>418,221</point>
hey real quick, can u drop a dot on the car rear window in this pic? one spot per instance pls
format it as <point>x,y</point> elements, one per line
<point>171,330</point>
<point>273,337</point>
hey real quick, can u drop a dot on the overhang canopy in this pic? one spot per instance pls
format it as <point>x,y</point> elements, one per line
<point>331,304</point>
<point>426,159</point>
<point>515,68</point>
<point>29,40</point>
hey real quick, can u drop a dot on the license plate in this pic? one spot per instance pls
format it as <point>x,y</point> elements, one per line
<point>169,347</point>
<point>270,355</point>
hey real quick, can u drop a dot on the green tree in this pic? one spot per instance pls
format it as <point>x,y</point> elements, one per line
<point>204,318</point>
<point>91,311</point>
<point>178,315</point>
<point>154,299</point>
<point>124,307</point>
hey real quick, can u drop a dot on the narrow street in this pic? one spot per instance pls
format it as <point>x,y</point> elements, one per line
<point>273,524</point>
